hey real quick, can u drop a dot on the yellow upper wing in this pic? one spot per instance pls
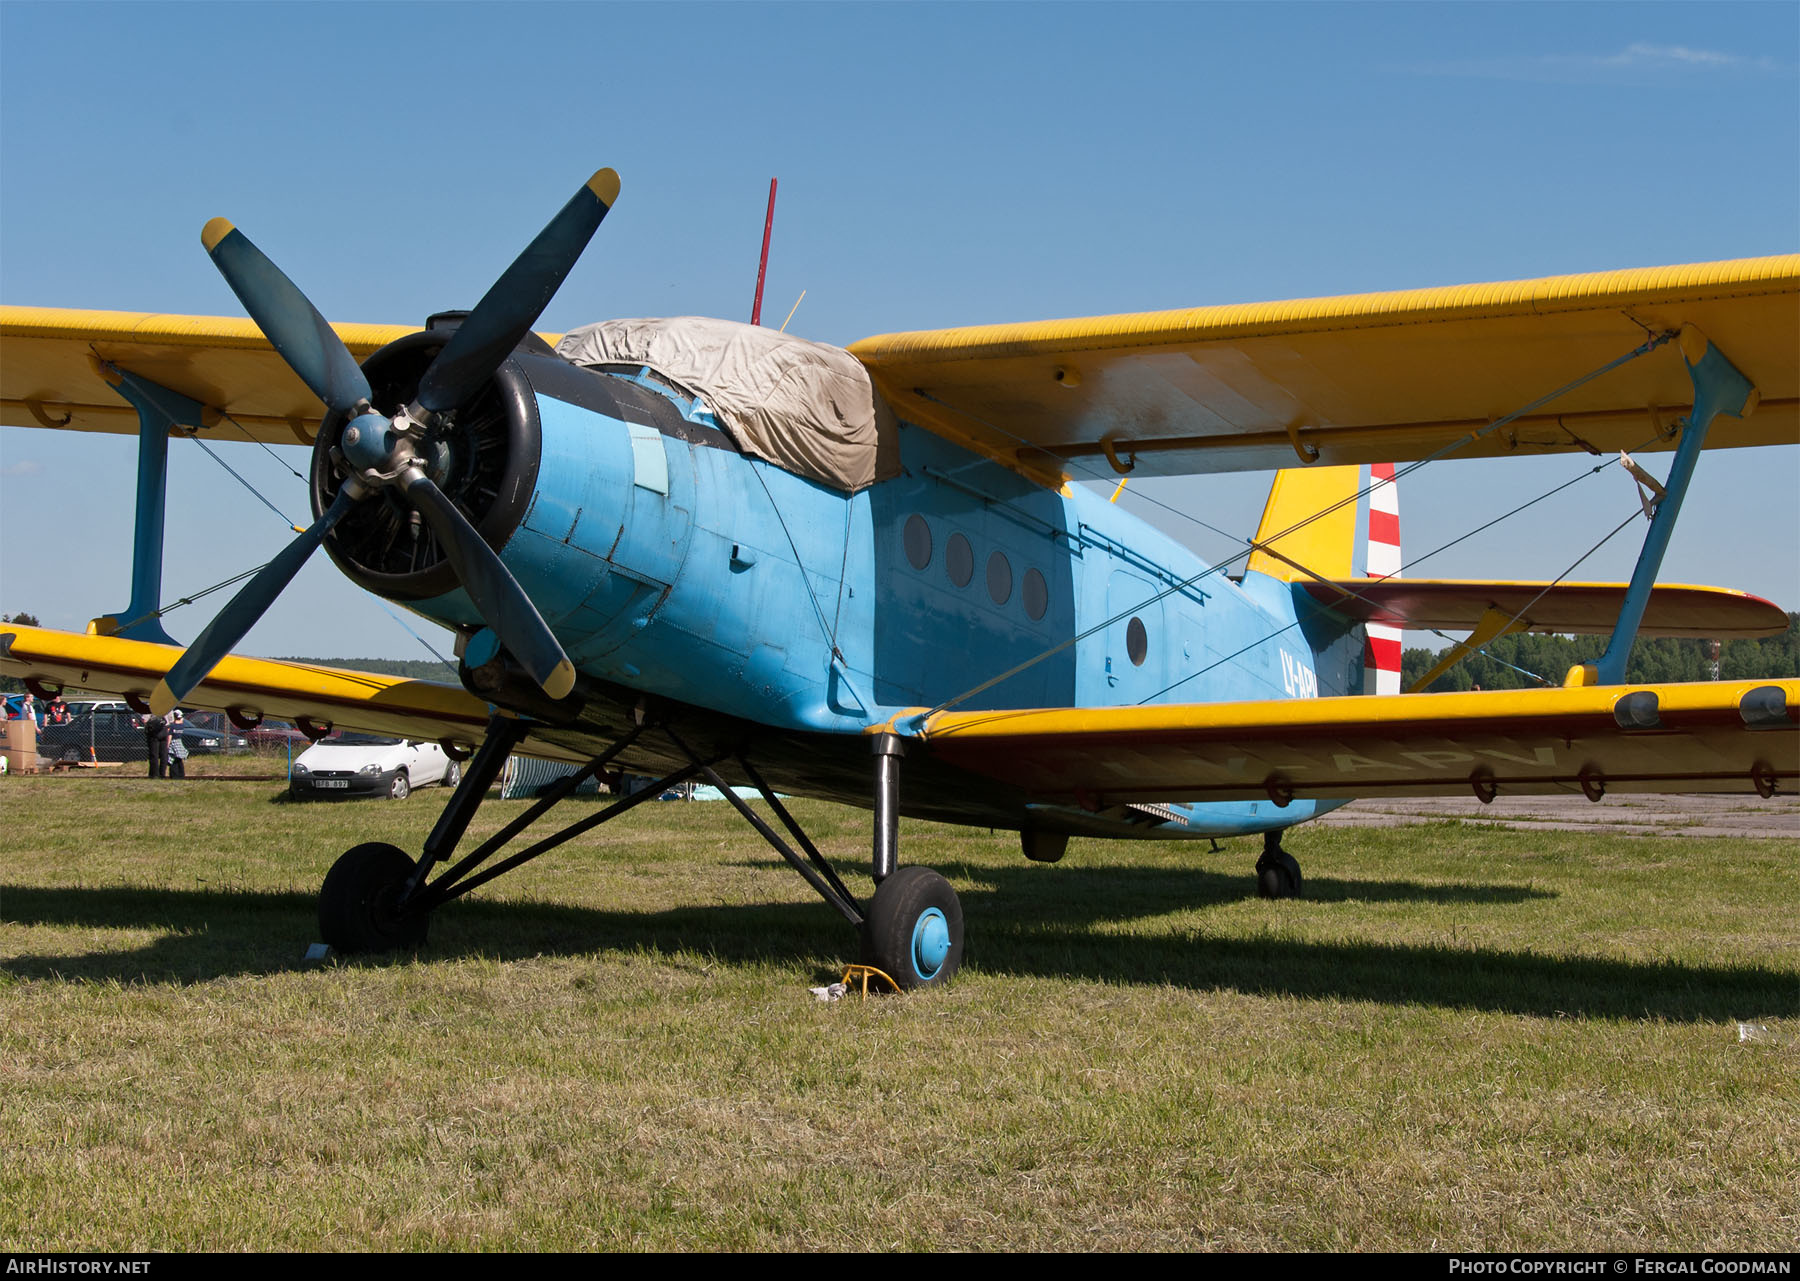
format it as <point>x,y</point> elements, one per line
<point>1384,377</point>
<point>1727,736</point>
<point>48,374</point>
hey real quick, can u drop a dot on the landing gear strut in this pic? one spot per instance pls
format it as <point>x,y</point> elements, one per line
<point>1277,871</point>
<point>377,899</point>
<point>914,931</point>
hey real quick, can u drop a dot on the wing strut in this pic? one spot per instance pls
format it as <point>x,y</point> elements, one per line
<point>159,412</point>
<point>1719,388</point>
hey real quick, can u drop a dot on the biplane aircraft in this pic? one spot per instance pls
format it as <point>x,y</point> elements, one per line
<point>698,549</point>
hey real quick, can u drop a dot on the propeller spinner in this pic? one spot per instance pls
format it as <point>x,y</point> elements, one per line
<point>381,452</point>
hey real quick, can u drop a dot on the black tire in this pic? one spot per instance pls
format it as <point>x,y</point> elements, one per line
<point>356,903</point>
<point>1278,876</point>
<point>452,775</point>
<point>914,930</point>
<point>401,787</point>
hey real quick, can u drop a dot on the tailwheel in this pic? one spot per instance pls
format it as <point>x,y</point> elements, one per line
<point>914,930</point>
<point>359,904</point>
<point>1277,871</point>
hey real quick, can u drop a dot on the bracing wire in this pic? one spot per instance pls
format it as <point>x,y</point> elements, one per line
<point>265,448</point>
<point>254,491</point>
<point>1649,345</point>
<point>1418,560</point>
<point>1548,587</point>
<point>805,580</point>
<point>189,600</point>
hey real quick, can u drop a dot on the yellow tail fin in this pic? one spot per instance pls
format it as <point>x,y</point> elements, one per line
<point>1326,547</point>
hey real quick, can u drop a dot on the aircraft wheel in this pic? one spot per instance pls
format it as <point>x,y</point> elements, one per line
<point>452,775</point>
<point>914,930</point>
<point>1278,875</point>
<point>357,911</point>
<point>400,788</point>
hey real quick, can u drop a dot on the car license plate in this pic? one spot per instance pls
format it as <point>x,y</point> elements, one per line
<point>332,782</point>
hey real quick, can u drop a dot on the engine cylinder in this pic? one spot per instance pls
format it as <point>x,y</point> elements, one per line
<point>485,458</point>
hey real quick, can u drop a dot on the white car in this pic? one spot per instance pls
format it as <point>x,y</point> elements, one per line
<point>370,765</point>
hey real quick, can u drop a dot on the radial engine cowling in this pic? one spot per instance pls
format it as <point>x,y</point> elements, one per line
<point>485,459</point>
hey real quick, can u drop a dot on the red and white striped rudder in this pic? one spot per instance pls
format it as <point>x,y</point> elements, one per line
<point>1381,651</point>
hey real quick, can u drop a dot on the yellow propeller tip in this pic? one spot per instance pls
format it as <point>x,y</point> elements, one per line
<point>561,681</point>
<point>215,231</point>
<point>162,699</point>
<point>605,185</point>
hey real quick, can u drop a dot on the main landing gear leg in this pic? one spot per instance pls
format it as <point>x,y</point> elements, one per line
<point>370,900</point>
<point>1277,871</point>
<point>377,899</point>
<point>914,930</point>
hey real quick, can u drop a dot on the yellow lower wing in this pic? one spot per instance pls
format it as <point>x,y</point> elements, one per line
<point>252,687</point>
<point>1729,736</point>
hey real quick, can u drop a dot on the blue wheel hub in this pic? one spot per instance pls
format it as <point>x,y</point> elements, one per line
<point>930,943</point>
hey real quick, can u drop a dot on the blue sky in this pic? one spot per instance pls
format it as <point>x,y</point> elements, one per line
<point>939,165</point>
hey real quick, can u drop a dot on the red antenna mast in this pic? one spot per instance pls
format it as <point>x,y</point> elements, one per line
<point>763,266</point>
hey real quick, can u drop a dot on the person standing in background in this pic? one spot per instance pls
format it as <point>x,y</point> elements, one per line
<point>156,743</point>
<point>177,745</point>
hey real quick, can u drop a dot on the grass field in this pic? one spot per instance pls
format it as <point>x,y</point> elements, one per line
<point>1464,1038</point>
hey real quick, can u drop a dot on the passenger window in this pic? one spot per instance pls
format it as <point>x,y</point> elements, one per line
<point>959,560</point>
<point>1036,594</point>
<point>917,540</point>
<point>999,576</point>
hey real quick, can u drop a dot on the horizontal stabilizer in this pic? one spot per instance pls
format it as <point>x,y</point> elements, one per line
<point>1575,608</point>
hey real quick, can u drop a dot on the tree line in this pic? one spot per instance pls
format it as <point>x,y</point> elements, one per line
<point>1548,658</point>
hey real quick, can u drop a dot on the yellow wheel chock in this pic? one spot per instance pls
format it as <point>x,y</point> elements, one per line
<point>861,974</point>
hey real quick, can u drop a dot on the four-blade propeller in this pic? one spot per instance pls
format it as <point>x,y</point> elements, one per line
<point>380,452</point>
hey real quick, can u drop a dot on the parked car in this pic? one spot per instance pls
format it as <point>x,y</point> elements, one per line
<point>205,740</point>
<point>224,736</point>
<point>274,735</point>
<point>370,765</point>
<point>113,732</point>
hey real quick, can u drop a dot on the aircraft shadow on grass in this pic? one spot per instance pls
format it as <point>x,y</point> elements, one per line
<point>1032,921</point>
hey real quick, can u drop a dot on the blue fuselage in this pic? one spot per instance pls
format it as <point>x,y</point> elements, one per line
<point>681,568</point>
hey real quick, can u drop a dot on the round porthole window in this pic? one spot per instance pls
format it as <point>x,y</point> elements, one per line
<point>959,560</point>
<point>999,576</point>
<point>1036,594</point>
<point>1137,642</point>
<point>917,540</point>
